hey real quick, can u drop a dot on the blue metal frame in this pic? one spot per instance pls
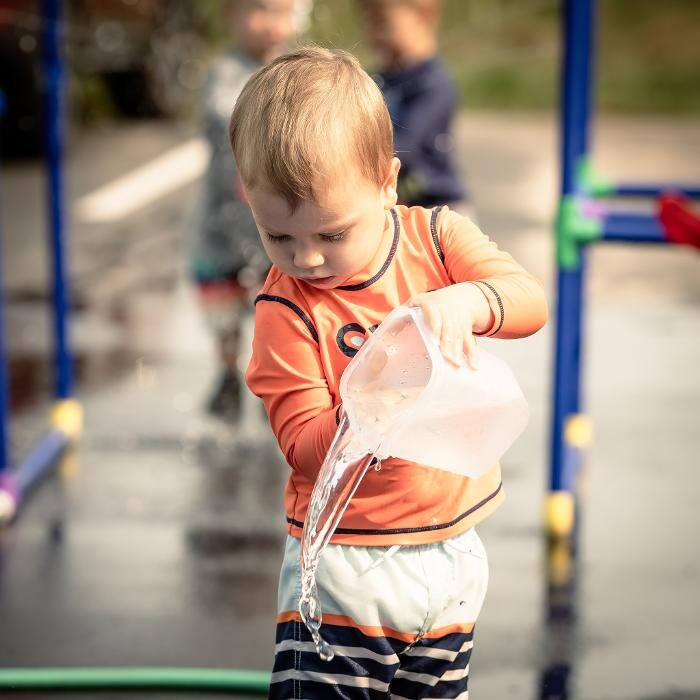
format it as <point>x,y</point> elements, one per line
<point>17,482</point>
<point>575,231</point>
<point>578,24</point>
<point>35,465</point>
<point>633,228</point>
<point>54,116</point>
<point>654,190</point>
<point>4,388</point>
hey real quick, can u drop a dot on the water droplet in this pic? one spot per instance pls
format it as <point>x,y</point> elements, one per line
<point>343,467</point>
<point>325,651</point>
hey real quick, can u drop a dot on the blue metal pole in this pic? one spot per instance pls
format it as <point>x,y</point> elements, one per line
<point>655,189</point>
<point>40,461</point>
<point>578,21</point>
<point>4,401</point>
<point>4,412</point>
<point>8,488</point>
<point>575,88</point>
<point>54,125</point>
<point>566,375</point>
<point>633,228</point>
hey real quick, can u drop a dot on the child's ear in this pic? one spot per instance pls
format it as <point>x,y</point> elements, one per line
<point>389,195</point>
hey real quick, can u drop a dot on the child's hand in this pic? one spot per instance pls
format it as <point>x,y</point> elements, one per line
<point>454,314</point>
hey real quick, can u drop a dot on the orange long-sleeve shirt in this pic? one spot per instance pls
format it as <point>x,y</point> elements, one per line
<point>305,337</point>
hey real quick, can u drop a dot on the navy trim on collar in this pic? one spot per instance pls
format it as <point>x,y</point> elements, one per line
<point>387,262</point>
<point>291,305</point>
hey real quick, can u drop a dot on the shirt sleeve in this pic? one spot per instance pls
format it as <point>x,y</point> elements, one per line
<point>285,372</point>
<point>515,297</point>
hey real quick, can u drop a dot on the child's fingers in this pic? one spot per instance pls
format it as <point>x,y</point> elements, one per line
<point>450,343</point>
<point>433,319</point>
<point>470,349</point>
<point>456,349</point>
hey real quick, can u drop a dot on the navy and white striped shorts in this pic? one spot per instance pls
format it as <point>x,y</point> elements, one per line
<point>400,621</point>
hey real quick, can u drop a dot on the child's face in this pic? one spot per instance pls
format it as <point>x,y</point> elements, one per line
<point>262,28</point>
<point>326,243</point>
<point>391,28</point>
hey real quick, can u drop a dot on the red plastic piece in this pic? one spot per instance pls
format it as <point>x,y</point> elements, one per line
<point>680,223</point>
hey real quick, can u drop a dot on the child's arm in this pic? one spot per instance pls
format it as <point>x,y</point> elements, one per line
<point>285,371</point>
<point>492,294</point>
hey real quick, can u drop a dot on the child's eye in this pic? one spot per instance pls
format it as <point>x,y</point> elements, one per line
<point>277,239</point>
<point>333,237</point>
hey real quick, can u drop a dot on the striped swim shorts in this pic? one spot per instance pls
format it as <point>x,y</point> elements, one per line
<point>400,621</point>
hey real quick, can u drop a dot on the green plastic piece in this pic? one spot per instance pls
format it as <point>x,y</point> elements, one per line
<point>574,230</point>
<point>254,683</point>
<point>591,183</point>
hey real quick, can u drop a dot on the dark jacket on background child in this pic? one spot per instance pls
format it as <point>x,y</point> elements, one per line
<point>421,101</point>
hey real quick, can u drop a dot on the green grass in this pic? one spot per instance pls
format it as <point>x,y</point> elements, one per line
<point>506,53</point>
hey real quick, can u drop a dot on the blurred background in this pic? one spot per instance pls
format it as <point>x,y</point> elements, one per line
<point>147,58</point>
<point>160,544</point>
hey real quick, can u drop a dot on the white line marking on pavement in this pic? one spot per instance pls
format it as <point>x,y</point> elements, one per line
<point>142,186</point>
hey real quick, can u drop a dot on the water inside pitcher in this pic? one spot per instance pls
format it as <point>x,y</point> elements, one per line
<point>403,399</point>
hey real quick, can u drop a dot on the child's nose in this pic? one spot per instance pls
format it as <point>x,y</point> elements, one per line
<point>308,259</point>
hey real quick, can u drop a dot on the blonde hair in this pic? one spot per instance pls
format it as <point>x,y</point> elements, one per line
<point>302,117</point>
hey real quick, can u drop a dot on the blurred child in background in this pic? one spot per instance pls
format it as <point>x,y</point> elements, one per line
<point>227,261</point>
<point>420,96</point>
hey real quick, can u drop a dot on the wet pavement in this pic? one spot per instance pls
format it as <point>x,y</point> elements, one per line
<point>163,549</point>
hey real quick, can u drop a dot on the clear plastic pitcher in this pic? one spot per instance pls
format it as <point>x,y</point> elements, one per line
<point>403,399</point>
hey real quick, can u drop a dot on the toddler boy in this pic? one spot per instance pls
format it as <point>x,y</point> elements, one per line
<point>405,575</point>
